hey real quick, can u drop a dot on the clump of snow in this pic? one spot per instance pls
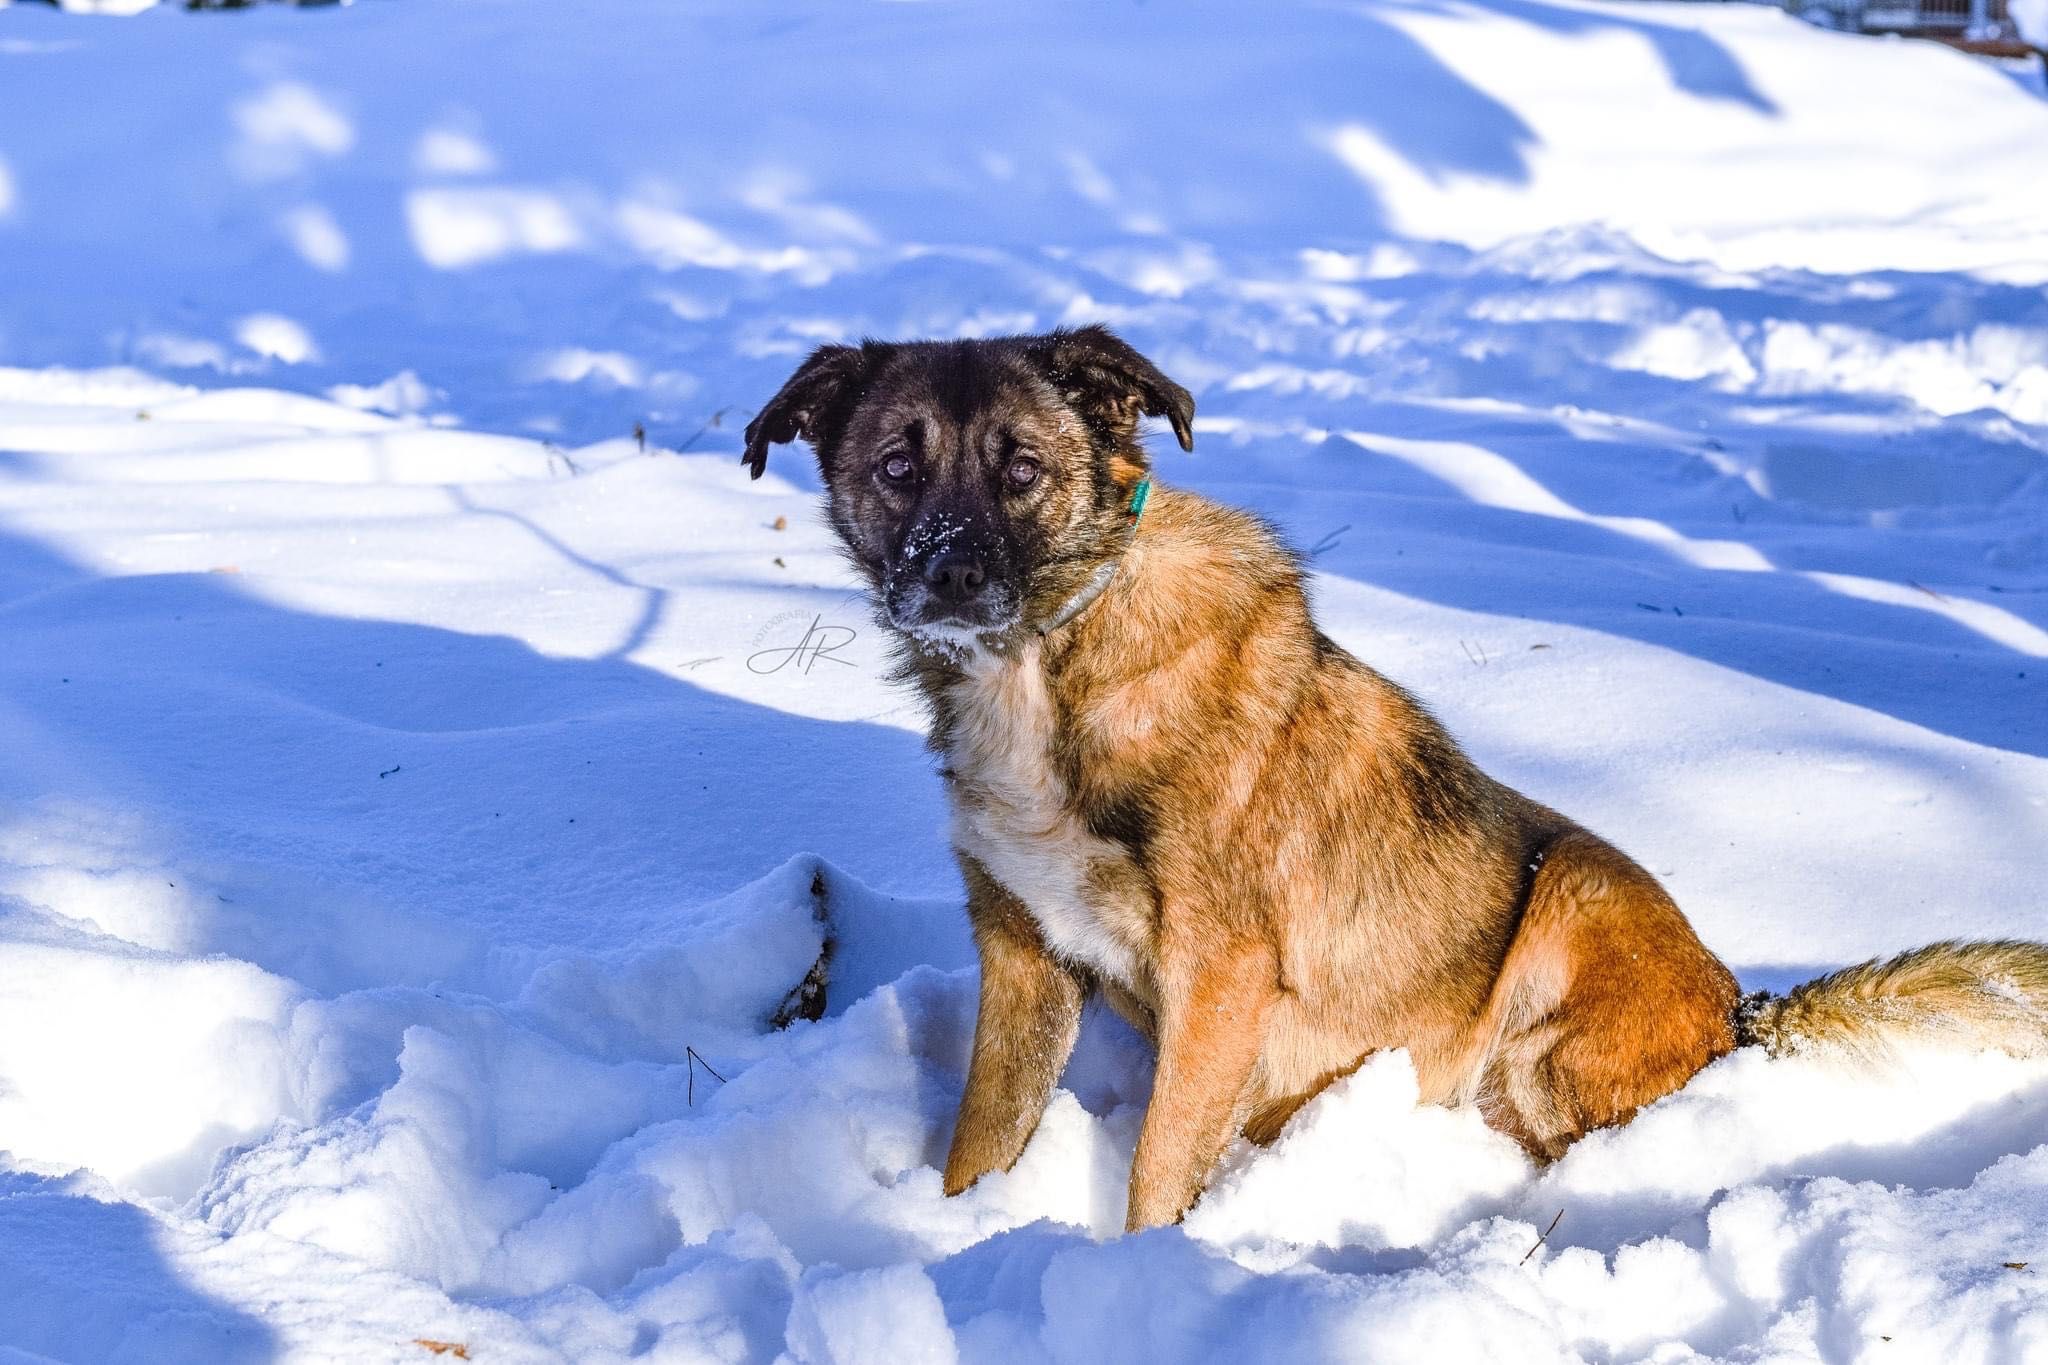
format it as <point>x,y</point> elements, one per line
<point>575,365</point>
<point>317,237</point>
<point>404,394</point>
<point>139,1065</point>
<point>2030,17</point>
<point>285,127</point>
<point>673,240</point>
<point>888,1314</point>
<point>455,229</point>
<point>172,350</point>
<point>1385,1172</point>
<point>278,338</point>
<point>452,151</point>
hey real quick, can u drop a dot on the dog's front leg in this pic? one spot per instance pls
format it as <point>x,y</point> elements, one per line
<point>1030,1016</point>
<point>1213,1011</point>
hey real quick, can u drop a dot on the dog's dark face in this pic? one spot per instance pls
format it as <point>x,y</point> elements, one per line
<point>977,484</point>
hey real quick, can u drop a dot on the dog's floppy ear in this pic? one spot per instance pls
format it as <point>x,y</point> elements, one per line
<point>827,376</point>
<point>1111,383</point>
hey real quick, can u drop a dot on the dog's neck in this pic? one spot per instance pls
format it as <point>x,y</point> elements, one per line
<point>1184,589</point>
<point>1098,582</point>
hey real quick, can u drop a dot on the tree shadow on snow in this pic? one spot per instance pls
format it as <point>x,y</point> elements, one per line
<point>441,805</point>
<point>1696,63</point>
<point>1698,514</point>
<point>82,1280</point>
<point>1919,666</point>
<point>1949,1156</point>
<point>475,310</point>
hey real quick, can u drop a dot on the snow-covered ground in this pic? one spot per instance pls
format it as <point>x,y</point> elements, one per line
<point>418,798</point>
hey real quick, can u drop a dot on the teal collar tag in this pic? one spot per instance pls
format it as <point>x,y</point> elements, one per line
<point>1138,497</point>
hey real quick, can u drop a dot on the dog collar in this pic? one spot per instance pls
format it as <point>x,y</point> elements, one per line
<point>1099,581</point>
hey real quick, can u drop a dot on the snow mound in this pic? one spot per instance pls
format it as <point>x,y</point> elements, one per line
<point>630,1152</point>
<point>415,721</point>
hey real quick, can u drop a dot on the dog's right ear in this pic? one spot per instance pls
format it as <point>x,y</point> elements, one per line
<point>825,378</point>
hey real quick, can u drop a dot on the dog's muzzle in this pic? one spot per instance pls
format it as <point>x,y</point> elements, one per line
<point>952,589</point>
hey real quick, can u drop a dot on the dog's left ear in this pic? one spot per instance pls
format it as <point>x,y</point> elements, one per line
<point>1111,383</point>
<point>828,375</point>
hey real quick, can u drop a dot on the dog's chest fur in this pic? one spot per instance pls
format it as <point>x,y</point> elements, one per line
<point>1013,813</point>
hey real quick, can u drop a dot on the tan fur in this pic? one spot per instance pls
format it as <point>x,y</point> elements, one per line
<point>1967,995</point>
<point>1306,815</point>
<point>1270,858</point>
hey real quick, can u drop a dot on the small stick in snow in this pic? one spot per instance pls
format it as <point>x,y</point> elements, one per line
<point>698,434</point>
<point>1329,541</point>
<point>390,770</point>
<point>1479,660</point>
<point>692,1060</point>
<point>1541,1240</point>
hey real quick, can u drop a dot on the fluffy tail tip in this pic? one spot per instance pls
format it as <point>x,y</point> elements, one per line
<point>1974,996</point>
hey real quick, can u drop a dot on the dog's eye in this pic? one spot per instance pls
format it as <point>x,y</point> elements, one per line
<point>1022,473</point>
<point>898,468</point>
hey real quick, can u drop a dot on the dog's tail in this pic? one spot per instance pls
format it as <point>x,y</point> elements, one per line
<point>1976,996</point>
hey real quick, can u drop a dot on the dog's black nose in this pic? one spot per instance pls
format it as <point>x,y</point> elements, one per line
<point>955,577</point>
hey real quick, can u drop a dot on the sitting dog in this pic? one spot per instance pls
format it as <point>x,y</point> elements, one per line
<point>1169,787</point>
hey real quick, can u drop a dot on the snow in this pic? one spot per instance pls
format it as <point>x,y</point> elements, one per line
<point>2030,17</point>
<point>422,803</point>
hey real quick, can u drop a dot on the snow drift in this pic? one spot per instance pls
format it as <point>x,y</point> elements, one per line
<point>425,798</point>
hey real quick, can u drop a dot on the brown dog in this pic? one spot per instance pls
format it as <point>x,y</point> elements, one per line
<point>1167,785</point>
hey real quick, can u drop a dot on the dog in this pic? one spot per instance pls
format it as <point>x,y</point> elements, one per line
<point>1168,787</point>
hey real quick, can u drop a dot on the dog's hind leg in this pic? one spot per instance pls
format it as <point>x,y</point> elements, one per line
<point>1607,1000</point>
